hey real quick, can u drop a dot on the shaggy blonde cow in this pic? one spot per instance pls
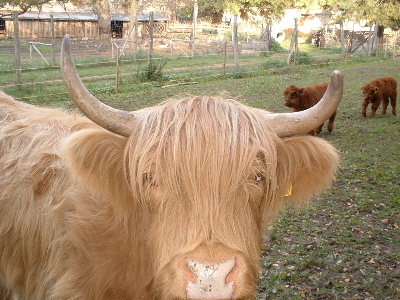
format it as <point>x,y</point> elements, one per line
<point>168,202</point>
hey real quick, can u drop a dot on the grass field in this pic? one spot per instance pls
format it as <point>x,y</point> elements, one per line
<point>346,244</point>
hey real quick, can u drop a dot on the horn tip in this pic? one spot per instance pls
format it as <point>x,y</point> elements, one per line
<point>65,42</point>
<point>337,79</point>
<point>337,74</point>
<point>65,49</point>
<point>66,39</point>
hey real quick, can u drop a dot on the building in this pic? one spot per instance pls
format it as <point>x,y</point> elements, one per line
<point>80,25</point>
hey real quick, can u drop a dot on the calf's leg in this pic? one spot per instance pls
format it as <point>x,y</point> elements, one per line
<point>331,122</point>
<point>385,103</point>
<point>393,99</point>
<point>319,129</point>
<point>364,108</point>
<point>374,108</point>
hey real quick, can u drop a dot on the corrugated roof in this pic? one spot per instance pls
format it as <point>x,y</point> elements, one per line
<point>75,16</point>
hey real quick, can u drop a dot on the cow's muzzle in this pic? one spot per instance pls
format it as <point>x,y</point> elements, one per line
<point>211,281</point>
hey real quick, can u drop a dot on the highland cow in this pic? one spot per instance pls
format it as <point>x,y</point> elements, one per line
<point>301,98</point>
<point>168,202</point>
<point>377,91</point>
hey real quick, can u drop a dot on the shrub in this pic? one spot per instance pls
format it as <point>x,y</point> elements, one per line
<point>152,72</point>
<point>303,58</point>
<point>276,47</point>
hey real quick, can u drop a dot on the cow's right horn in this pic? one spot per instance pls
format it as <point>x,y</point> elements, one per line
<point>289,124</point>
<point>114,120</point>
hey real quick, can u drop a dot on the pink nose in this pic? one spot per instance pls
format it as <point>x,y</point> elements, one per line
<point>211,281</point>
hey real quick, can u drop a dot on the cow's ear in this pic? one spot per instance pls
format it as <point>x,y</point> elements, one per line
<point>306,165</point>
<point>95,159</point>
<point>376,89</point>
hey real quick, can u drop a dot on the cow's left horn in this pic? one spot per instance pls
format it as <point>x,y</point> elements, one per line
<point>114,120</point>
<point>289,124</point>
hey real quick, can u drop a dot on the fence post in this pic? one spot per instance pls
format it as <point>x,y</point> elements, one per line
<point>118,70</point>
<point>135,40</point>
<point>376,42</point>
<point>53,39</point>
<point>151,31</point>
<point>235,42</point>
<point>269,33</point>
<point>225,58</point>
<point>294,47</point>
<point>372,38</point>
<point>342,41</point>
<point>194,28</point>
<point>17,48</point>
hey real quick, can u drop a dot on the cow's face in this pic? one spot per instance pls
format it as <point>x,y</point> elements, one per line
<point>292,96</point>
<point>203,169</point>
<point>369,92</point>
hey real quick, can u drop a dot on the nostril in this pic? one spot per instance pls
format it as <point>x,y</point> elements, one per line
<point>189,270</point>
<point>234,273</point>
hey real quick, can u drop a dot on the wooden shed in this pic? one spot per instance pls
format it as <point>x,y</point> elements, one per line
<point>35,25</point>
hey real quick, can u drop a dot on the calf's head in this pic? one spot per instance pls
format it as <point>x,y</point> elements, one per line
<point>369,92</point>
<point>292,95</point>
<point>209,174</point>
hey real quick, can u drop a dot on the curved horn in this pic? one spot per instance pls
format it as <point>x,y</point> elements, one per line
<point>289,124</point>
<point>114,120</point>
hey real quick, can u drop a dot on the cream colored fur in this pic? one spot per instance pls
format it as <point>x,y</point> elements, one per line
<point>86,214</point>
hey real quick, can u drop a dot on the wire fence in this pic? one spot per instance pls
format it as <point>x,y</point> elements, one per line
<point>116,63</point>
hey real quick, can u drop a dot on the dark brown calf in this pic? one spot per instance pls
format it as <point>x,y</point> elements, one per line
<point>377,91</point>
<point>302,98</point>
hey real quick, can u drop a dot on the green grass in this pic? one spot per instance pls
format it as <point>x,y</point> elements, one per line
<point>345,245</point>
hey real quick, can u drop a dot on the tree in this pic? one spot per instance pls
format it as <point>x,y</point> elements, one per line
<point>382,13</point>
<point>24,5</point>
<point>211,10</point>
<point>214,10</point>
<point>102,9</point>
<point>271,9</point>
<point>388,11</point>
<point>368,10</point>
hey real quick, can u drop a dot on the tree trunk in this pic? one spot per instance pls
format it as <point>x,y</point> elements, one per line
<point>102,10</point>
<point>342,39</point>
<point>381,29</point>
<point>134,31</point>
<point>193,35</point>
<point>235,42</point>
<point>17,45</point>
<point>294,47</point>
<point>266,37</point>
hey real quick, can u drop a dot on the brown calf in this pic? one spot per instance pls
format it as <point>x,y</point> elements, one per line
<point>377,91</point>
<point>302,98</point>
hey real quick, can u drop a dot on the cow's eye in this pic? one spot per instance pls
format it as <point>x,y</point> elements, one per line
<point>149,177</point>
<point>259,177</point>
